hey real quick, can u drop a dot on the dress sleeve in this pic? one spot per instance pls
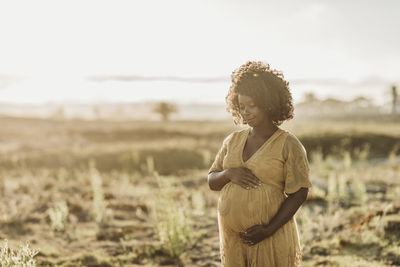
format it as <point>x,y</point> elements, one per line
<point>219,158</point>
<point>296,170</point>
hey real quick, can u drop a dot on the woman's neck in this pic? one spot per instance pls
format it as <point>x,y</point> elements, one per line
<point>264,130</point>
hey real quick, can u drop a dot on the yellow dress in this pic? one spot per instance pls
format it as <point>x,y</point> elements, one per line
<point>282,166</point>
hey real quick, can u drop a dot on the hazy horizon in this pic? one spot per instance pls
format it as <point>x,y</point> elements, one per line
<point>185,51</point>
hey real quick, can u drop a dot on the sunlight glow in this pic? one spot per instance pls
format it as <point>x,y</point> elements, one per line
<point>52,47</point>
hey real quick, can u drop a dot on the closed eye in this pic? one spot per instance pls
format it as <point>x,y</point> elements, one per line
<point>250,105</point>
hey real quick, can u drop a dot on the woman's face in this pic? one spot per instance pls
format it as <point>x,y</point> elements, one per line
<point>251,113</point>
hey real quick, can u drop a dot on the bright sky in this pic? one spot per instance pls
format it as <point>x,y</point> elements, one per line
<point>52,50</point>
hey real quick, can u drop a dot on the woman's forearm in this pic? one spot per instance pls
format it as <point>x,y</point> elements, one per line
<point>287,210</point>
<point>217,180</point>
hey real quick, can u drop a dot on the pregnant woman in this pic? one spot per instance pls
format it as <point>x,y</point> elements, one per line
<point>261,172</point>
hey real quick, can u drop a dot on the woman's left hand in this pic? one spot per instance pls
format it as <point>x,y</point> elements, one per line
<point>255,234</point>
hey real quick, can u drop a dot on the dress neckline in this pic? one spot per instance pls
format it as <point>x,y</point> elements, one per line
<point>266,142</point>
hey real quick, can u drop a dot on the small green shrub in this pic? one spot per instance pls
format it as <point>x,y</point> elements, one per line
<point>359,190</point>
<point>22,257</point>
<point>58,216</point>
<point>99,209</point>
<point>173,226</point>
<point>198,203</point>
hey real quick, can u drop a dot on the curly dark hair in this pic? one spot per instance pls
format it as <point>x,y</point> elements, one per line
<point>267,87</point>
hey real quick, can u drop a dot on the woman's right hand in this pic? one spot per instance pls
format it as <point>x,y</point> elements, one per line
<point>243,177</point>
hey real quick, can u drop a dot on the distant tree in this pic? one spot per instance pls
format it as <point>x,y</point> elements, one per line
<point>395,96</point>
<point>118,113</point>
<point>333,101</point>
<point>361,102</point>
<point>96,112</point>
<point>310,97</point>
<point>59,114</point>
<point>165,109</point>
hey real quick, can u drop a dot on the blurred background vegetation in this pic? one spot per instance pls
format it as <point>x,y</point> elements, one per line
<point>124,192</point>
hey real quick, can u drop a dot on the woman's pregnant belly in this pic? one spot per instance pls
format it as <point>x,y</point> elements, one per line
<point>242,208</point>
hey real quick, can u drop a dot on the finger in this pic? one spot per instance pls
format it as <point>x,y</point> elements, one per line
<point>249,186</point>
<point>245,186</point>
<point>255,183</point>
<point>245,236</point>
<point>250,182</point>
<point>242,184</point>
<point>249,172</point>
<point>250,237</point>
<point>248,242</point>
<point>258,181</point>
<point>253,228</point>
<point>246,172</point>
<point>254,180</point>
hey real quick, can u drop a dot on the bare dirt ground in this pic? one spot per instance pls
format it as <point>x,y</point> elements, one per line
<point>351,217</point>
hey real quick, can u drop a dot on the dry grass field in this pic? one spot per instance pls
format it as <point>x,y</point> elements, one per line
<point>103,193</point>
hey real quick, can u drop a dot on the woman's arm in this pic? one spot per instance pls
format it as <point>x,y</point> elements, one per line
<point>217,180</point>
<point>288,208</point>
